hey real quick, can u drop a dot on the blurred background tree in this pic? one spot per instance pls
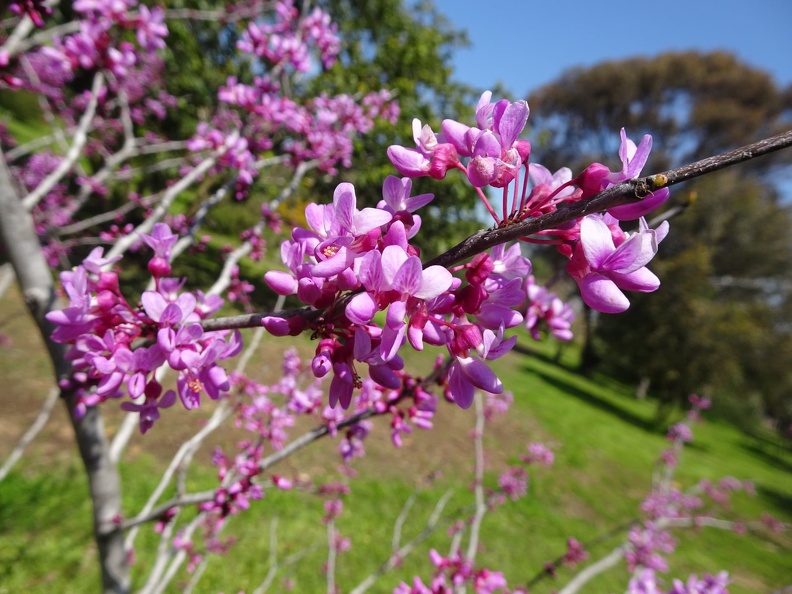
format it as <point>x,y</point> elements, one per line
<point>720,324</point>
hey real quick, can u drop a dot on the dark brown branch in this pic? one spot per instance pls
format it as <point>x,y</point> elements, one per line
<point>624,193</point>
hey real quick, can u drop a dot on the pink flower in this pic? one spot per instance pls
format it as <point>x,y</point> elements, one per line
<point>602,270</point>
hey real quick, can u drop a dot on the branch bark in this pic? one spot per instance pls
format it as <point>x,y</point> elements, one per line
<point>623,193</point>
<point>24,252</point>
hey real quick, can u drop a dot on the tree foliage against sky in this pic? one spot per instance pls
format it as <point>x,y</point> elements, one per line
<point>693,104</point>
<point>721,323</point>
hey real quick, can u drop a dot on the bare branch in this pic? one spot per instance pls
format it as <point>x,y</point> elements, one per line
<point>279,455</point>
<point>15,41</point>
<point>80,138</point>
<point>399,524</point>
<point>30,434</point>
<point>593,570</point>
<point>23,249</point>
<point>623,193</point>
<point>481,506</point>
<point>399,554</point>
<point>331,557</point>
<point>273,558</point>
<point>234,257</point>
<point>170,195</point>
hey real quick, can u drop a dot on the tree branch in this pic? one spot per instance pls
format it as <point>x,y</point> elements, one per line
<point>30,434</point>
<point>80,138</point>
<point>23,249</point>
<point>623,193</point>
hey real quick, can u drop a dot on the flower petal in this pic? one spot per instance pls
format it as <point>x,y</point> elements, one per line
<point>601,293</point>
<point>393,257</point>
<point>480,375</point>
<point>361,309</point>
<point>344,202</point>
<point>434,281</point>
<point>461,389</point>
<point>370,218</point>
<point>408,278</point>
<point>596,240</point>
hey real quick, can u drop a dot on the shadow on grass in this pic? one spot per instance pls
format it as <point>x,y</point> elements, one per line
<point>595,401</point>
<point>768,457</point>
<point>554,360</point>
<point>781,501</point>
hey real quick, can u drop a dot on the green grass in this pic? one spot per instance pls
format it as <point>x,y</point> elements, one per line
<point>605,441</point>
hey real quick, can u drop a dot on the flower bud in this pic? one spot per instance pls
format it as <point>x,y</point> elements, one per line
<point>590,179</point>
<point>479,269</point>
<point>466,337</point>
<point>159,267</point>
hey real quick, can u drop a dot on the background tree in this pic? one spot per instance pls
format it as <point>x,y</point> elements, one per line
<point>726,266</point>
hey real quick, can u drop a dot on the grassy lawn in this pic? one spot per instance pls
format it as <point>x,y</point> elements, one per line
<point>605,441</point>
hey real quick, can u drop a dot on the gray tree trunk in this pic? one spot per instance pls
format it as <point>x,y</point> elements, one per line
<point>22,246</point>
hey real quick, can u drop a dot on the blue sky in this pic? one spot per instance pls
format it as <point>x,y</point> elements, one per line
<point>526,43</point>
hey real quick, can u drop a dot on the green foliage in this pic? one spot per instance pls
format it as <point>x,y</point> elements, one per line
<point>605,444</point>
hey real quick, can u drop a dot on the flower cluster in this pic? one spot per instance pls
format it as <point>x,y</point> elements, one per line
<point>365,258</point>
<point>285,41</point>
<point>34,9</point>
<point>97,43</point>
<point>452,573</point>
<point>367,254</point>
<point>117,345</point>
<point>645,582</point>
<point>545,309</point>
<point>604,260</point>
<point>256,118</point>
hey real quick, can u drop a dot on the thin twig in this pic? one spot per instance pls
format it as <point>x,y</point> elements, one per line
<point>124,243</point>
<point>402,517</point>
<point>623,193</point>
<point>30,434</point>
<point>399,554</point>
<point>481,506</point>
<point>80,136</point>
<point>273,558</point>
<point>279,455</point>
<point>188,448</point>
<point>593,570</point>
<point>234,257</point>
<point>331,557</point>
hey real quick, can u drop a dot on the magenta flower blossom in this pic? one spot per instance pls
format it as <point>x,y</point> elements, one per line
<point>645,582</point>
<point>342,224</point>
<point>545,306</point>
<point>396,196</point>
<point>433,156</point>
<point>496,154</point>
<point>602,270</point>
<point>405,282</point>
<point>149,409</point>
<point>468,373</point>
<point>633,159</point>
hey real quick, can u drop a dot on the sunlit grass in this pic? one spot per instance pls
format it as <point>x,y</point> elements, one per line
<point>605,441</point>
